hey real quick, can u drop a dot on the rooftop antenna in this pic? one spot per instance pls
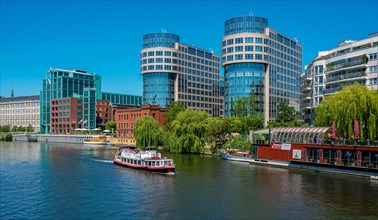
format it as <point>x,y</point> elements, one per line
<point>251,13</point>
<point>211,50</point>
<point>163,30</point>
<point>295,39</point>
<point>12,94</point>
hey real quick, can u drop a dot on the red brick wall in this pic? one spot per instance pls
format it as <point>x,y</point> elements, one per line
<point>125,119</point>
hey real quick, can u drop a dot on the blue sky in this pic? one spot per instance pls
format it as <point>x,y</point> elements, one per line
<point>105,37</point>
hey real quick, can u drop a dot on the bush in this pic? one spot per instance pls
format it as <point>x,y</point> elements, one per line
<point>8,137</point>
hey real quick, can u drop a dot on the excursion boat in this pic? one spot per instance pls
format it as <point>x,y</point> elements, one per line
<point>236,156</point>
<point>97,141</point>
<point>147,160</point>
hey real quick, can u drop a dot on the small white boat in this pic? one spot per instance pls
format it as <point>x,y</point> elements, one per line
<point>148,160</point>
<point>97,141</point>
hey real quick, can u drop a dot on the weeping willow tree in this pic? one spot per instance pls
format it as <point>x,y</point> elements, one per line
<point>147,132</point>
<point>354,102</point>
<point>190,131</point>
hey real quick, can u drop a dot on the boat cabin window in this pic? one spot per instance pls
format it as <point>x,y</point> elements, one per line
<point>157,163</point>
<point>153,163</point>
<point>139,162</point>
<point>165,162</point>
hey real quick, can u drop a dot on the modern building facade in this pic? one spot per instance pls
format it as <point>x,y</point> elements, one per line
<point>61,83</point>
<point>66,115</point>
<point>126,118</point>
<point>350,62</point>
<point>312,87</point>
<point>260,61</point>
<point>122,99</point>
<point>173,71</point>
<point>20,111</point>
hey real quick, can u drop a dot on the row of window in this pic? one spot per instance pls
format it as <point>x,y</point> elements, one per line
<point>31,116</point>
<point>19,105</point>
<point>240,40</point>
<point>208,56</point>
<point>179,62</point>
<point>182,59</point>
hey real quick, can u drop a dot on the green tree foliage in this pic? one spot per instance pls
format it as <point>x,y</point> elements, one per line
<point>355,102</point>
<point>245,109</point>
<point>5,128</point>
<point>15,128</point>
<point>148,132</point>
<point>239,142</point>
<point>190,131</point>
<point>7,137</point>
<point>285,117</point>
<point>172,113</point>
<point>219,131</point>
<point>30,128</point>
<point>111,125</point>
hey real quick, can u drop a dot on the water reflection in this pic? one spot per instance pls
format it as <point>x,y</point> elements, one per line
<point>45,180</point>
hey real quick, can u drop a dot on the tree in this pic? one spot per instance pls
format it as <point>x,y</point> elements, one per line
<point>190,131</point>
<point>219,131</point>
<point>14,128</point>
<point>246,109</point>
<point>172,113</point>
<point>110,125</point>
<point>5,128</point>
<point>148,132</point>
<point>239,142</point>
<point>355,102</point>
<point>285,117</point>
<point>30,128</point>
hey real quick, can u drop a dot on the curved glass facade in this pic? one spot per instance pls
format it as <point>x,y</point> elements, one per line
<point>243,79</point>
<point>158,88</point>
<point>160,40</point>
<point>246,24</point>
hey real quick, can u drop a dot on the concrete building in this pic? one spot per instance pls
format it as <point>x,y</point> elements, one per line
<point>125,119</point>
<point>312,87</point>
<point>66,115</point>
<point>20,111</point>
<point>173,71</point>
<point>350,62</point>
<point>260,61</point>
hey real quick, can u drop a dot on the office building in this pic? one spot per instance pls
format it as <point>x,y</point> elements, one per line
<point>61,83</point>
<point>20,111</point>
<point>350,62</point>
<point>260,61</point>
<point>173,71</point>
<point>66,115</point>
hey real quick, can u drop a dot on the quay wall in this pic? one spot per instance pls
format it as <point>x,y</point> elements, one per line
<point>74,139</point>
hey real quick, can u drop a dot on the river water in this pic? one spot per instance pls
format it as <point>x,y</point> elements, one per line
<point>65,181</point>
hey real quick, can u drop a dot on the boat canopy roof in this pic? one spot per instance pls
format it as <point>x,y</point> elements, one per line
<point>313,135</point>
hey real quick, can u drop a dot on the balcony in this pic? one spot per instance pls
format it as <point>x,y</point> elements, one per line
<point>305,88</point>
<point>356,63</point>
<point>346,77</point>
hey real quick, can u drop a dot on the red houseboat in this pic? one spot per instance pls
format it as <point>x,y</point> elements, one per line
<point>319,146</point>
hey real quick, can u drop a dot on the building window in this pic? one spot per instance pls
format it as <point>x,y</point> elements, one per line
<point>239,40</point>
<point>249,39</point>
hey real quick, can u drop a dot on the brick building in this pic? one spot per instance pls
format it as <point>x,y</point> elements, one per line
<point>66,113</point>
<point>126,118</point>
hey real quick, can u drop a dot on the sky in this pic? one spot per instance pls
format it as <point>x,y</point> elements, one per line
<point>105,37</point>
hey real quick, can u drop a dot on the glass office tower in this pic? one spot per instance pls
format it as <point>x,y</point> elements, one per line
<point>173,71</point>
<point>260,61</point>
<point>61,83</point>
